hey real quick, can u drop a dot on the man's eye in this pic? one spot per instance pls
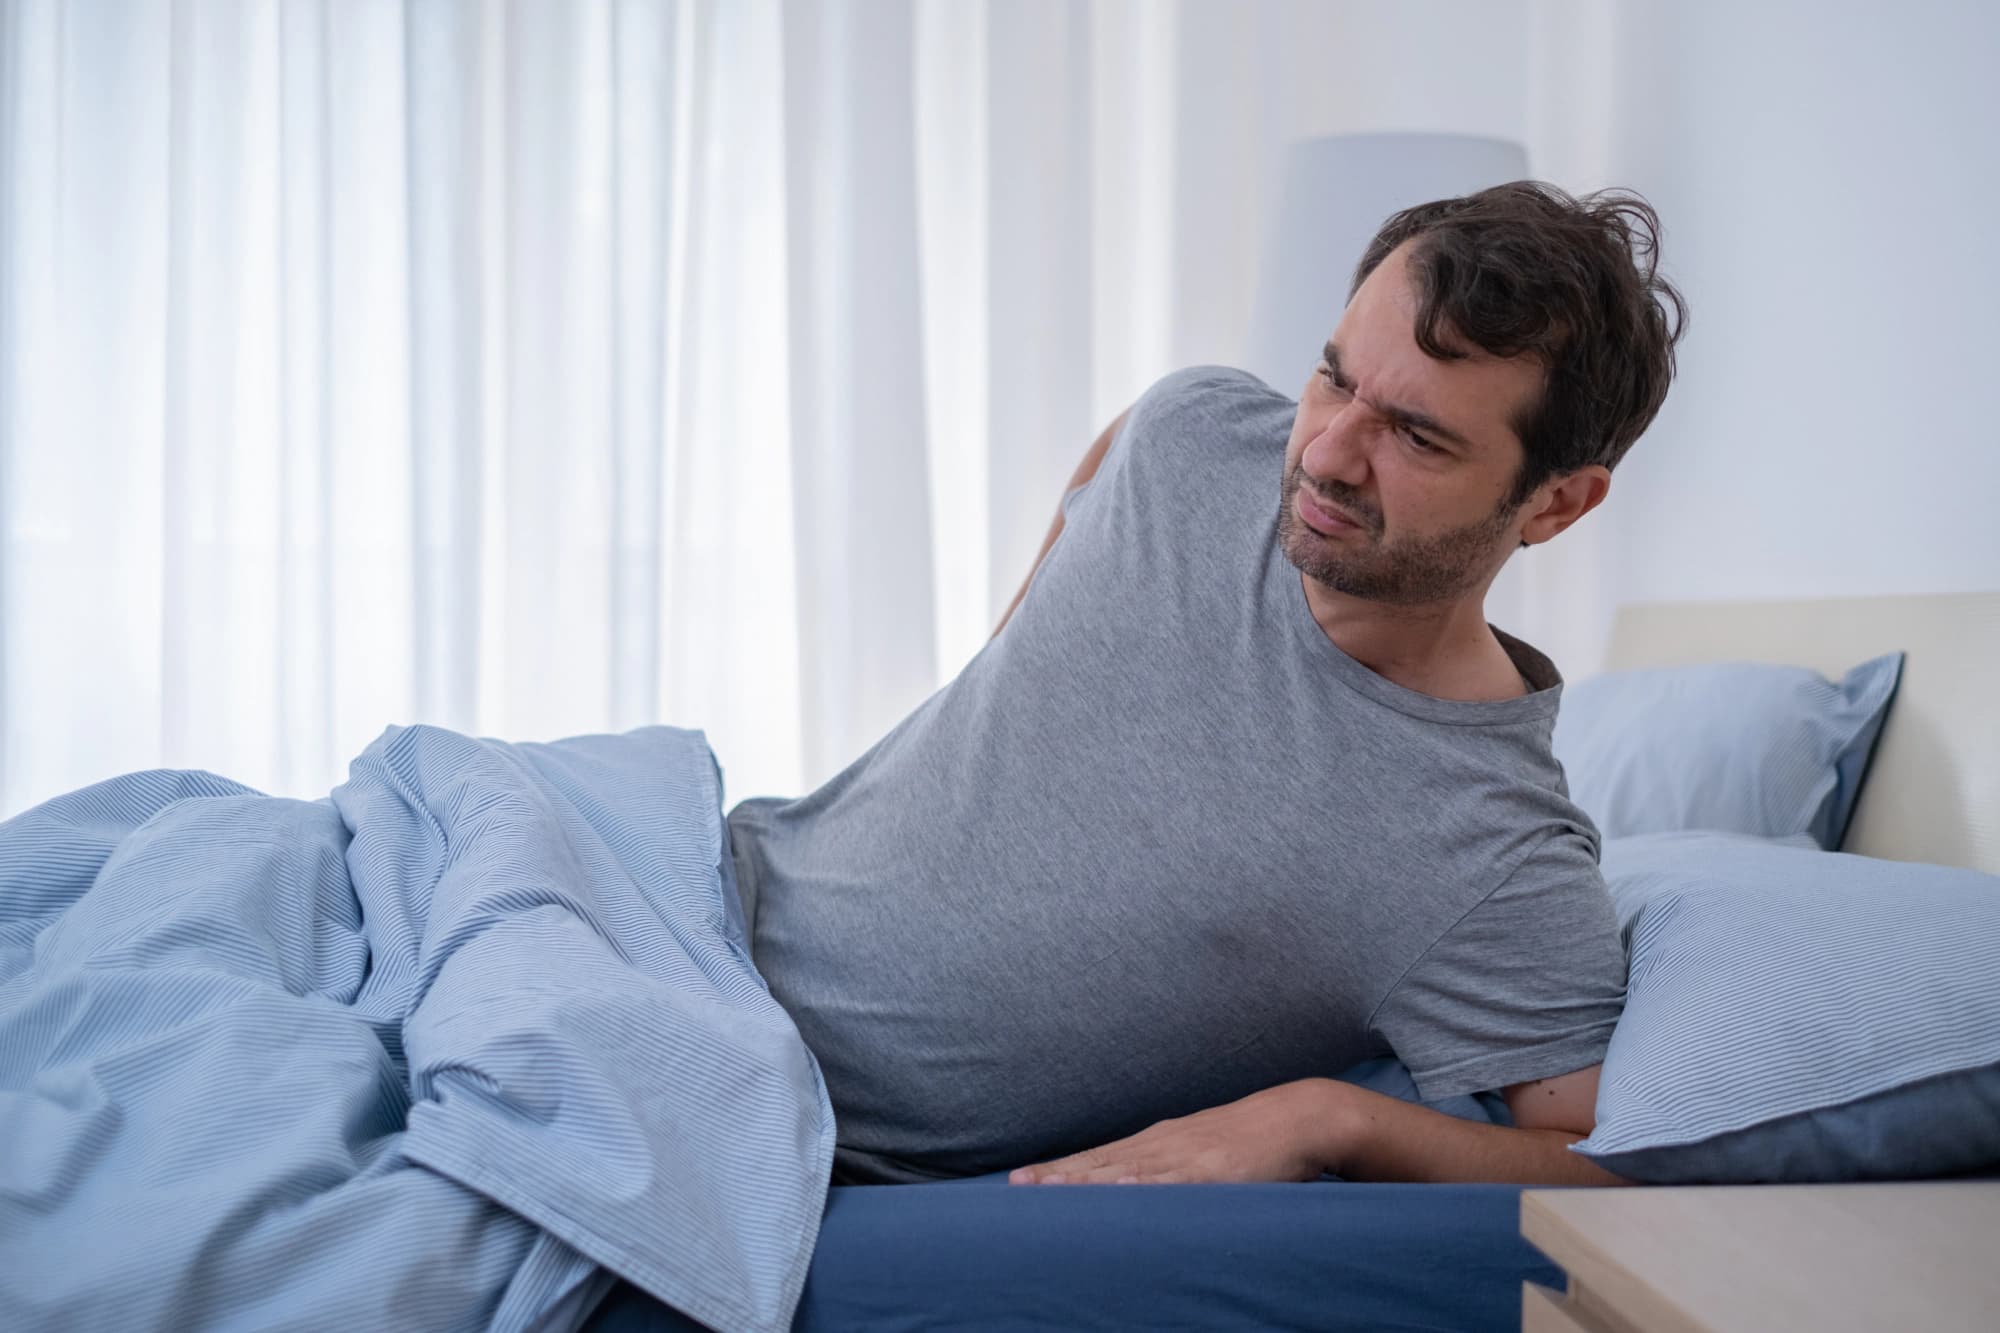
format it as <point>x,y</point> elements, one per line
<point>1423,445</point>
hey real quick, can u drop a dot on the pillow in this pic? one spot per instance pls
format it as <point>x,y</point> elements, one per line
<point>1799,1015</point>
<point>1765,750</point>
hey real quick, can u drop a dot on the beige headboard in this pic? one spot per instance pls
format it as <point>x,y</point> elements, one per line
<point>1933,791</point>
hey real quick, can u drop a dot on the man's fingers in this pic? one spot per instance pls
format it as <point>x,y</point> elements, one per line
<point>1111,1164</point>
<point>1062,1170</point>
<point>1070,1172</point>
<point>1129,1173</point>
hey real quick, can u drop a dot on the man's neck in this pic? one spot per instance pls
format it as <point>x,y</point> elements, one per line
<point>1444,650</point>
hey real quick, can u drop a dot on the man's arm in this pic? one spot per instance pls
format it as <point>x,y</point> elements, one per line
<point>1372,1137</point>
<point>1084,472</point>
<point>1297,1130</point>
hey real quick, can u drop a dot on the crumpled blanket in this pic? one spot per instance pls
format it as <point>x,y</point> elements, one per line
<point>452,1048</point>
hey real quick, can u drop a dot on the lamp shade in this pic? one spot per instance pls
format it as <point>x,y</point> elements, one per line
<point>1334,195</point>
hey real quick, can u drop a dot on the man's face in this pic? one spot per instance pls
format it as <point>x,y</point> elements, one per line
<point>1417,455</point>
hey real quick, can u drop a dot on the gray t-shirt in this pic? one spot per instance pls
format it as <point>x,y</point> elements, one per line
<point>1162,844</point>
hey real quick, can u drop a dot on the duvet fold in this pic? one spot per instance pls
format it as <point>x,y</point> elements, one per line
<point>451,1048</point>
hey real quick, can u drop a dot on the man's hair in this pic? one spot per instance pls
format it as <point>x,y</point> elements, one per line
<point>1526,269</point>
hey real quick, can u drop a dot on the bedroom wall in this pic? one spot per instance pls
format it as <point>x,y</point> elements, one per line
<point>1829,178</point>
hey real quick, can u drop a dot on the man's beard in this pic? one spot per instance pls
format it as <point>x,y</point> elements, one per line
<point>1413,571</point>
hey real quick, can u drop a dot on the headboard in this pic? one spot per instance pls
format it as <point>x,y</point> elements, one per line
<point>1933,790</point>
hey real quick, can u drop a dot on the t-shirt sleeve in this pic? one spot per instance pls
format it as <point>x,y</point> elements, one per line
<point>1526,985</point>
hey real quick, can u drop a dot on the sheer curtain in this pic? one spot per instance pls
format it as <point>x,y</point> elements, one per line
<point>568,365</point>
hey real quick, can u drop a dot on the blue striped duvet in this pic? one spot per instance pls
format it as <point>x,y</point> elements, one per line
<point>453,1048</point>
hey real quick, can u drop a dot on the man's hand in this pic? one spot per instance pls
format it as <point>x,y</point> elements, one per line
<point>1296,1131</point>
<point>1276,1134</point>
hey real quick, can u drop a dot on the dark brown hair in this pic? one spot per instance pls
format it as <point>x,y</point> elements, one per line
<point>1526,269</point>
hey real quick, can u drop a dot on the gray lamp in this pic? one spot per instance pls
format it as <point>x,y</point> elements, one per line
<point>1335,194</point>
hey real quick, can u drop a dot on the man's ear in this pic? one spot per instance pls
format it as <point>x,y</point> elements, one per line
<point>1563,500</point>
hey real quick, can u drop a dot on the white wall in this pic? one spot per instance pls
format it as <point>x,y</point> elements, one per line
<point>1827,174</point>
<point>1829,179</point>
<point>1314,67</point>
<point>1094,190</point>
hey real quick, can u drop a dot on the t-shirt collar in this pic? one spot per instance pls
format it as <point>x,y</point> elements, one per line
<point>1534,666</point>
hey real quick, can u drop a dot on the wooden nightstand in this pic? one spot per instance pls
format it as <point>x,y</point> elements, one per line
<point>1767,1257</point>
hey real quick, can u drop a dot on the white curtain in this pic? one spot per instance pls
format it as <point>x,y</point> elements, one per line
<point>553,366</point>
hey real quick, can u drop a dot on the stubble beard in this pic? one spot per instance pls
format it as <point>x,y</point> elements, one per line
<point>1411,571</point>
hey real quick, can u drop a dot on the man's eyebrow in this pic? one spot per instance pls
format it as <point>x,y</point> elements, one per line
<point>1408,416</point>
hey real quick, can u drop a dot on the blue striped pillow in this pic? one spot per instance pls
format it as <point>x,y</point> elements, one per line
<point>1742,746</point>
<point>1798,1015</point>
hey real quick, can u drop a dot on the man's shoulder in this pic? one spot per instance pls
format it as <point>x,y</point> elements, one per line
<point>1207,415</point>
<point>1195,387</point>
<point>1189,379</point>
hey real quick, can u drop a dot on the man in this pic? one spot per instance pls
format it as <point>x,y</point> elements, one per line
<point>1246,790</point>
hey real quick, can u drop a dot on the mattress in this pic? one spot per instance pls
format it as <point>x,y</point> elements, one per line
<point>982,1254</point>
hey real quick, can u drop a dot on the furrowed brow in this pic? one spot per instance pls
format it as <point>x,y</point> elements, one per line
<point>1407,416</point>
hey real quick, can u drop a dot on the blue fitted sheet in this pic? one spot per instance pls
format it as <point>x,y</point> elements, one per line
<point>986,1255</point>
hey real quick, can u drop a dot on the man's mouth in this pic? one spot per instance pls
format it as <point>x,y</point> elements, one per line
<point>1323,518</point>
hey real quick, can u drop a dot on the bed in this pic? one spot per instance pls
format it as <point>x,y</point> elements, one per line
<point>978,1254</point>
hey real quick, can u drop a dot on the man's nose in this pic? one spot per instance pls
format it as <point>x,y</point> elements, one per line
<point>1340,451</point>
